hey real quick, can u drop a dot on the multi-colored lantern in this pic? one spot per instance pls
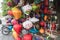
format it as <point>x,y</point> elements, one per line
<point>16,13</point>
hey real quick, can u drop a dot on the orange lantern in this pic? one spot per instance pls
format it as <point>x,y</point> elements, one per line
<point>41,30</point>
<point>15,35</point>
<point>16,13</point>
<point>45,17</point>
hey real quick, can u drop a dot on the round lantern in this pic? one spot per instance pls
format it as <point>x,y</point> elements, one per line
<point>9,3</point>
<point>27,37</point>
<point>17,28</point>
<point>42,23</point>
<point>34,7</point>
<point>26,9</point>
<point>45,17</point>
<point>15,35</point>
<point>10,12</point>
<point>16,13</point>
<point>41,30</point>
<point>27,24</point>
<point>14,22</point>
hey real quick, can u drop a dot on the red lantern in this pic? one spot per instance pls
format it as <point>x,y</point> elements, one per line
<point>9,3</point>
<point>27,37</point>
<point>42,23</point>
<point>17,28</point>
<point>10,12</point>
<point>18,38</point>
<point>53,26</point>
<point>46,10</point>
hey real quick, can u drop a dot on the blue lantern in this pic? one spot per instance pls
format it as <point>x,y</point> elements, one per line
<point>33,30</point>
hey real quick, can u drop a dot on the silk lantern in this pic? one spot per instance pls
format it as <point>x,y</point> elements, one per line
<point>42,23</point>
<point>18,38</point>
<point>16,13</point>
<point>41,30</point>
<point>27,37</point>
<point>27,24</point>
<point>14,21</point>
<point>15,35</point>
<point>10,12</point>
<point>9,3</point>
<point>45,17</point>
<point>17,28</point>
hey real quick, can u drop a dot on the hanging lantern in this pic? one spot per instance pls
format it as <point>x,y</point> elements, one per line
<point>14,22</point>
<point>34,7</point>
<point>33,30</point>
<point>42,23</point>
<point>27,37</point>
<point>45,17</point>
<point>9,3</point>
<point>18,38</point>
<point>46,10</point>
<point>27,9</point>
<point>41,30</point>
<point>15,35</point>
<point>53,26</point>
<point>16,13</point>
<point>17,28</point>
<point>27,24</point>
<point>10,12</point>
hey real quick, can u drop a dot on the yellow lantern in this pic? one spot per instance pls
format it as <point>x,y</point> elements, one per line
<point>14,34</point>
<point>16,13</point>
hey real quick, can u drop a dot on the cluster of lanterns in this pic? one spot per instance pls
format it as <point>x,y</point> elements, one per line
<point>31,17</point>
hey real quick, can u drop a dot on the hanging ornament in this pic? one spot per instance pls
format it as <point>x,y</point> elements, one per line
<point>41,30</point>
<point>17,28</point>
<point>33,19</point>
<point>27,24</point>
<point>27,37</point>
<point>14,21</point>
<point>45,17</point>
<point>53,26</point>
<point>46,10</point>
<point>15,35</point>
<point>10,27</point>
<point>42,23</point>
<point>16,13</point>
<point>33,30</point>
<point>34,7</point>
<point>27,9</point>
<point>10,12</point>
<point>9,3</point>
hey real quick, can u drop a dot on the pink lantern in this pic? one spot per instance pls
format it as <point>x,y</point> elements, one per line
<point>14,22</point>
